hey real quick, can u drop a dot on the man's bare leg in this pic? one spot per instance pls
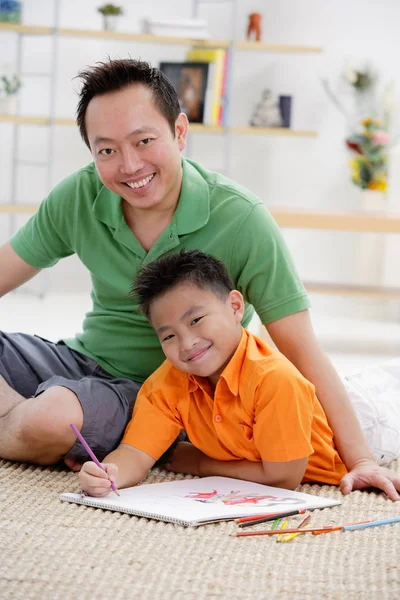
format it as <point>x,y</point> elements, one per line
<point>37,430</point>
<point>9,398</point>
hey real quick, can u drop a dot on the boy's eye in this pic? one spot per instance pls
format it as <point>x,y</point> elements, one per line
<point>106,151</point>
<point>196,320</point>
<point>145,142</point>
<point>168,337</point>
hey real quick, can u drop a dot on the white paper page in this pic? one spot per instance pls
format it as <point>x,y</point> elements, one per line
<point>208,498</point>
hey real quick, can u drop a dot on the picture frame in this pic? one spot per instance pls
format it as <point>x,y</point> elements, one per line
<point>190,82</point>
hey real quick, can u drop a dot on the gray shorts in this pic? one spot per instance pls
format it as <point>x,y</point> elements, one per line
<point>31,365</point>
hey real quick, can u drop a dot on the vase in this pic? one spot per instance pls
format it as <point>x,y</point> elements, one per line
<point>110,22</point>
<point>373,200</point>
<point>370,251</point>
<point>9,104</point>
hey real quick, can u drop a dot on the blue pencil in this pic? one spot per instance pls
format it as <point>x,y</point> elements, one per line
<point>372,524</point>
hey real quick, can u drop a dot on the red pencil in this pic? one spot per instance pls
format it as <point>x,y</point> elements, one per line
<point>269,516</point>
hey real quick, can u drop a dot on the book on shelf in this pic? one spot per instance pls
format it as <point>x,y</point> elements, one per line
<point>193,502</point>
<point>217,80</point>
<point>190,28</point>
<point>190,82</point>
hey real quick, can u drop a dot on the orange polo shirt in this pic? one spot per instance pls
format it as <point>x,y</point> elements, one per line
<point>262,409</point>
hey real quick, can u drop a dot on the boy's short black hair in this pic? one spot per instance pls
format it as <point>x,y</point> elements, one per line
<point>114,75</point>
<point>187,266</point>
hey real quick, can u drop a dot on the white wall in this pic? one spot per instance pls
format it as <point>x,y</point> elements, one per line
<point>309,173</point>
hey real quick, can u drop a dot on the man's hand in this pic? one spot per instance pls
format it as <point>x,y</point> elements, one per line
<point>368,473</point>
<point>186,459</point>
<point>95,481</point>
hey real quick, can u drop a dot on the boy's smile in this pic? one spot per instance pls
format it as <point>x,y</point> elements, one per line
<point>199,330</point>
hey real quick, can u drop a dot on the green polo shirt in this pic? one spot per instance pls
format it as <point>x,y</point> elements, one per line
<point>214,214</point>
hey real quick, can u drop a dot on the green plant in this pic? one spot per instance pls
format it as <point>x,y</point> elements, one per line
<point>110,9</point>
<point>360,80</point>
<point>10,85</point>
<point>369,163</point>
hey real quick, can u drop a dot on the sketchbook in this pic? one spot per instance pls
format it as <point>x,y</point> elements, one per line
<point>192,502</point>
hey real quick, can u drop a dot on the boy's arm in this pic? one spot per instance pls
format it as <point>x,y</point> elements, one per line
<point>295,338</point>
<point>187,459</point>
<point>124,466</point>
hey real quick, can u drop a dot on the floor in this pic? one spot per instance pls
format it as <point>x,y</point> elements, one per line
<point>350,344</point>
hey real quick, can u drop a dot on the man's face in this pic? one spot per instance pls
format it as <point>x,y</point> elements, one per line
<point>198,331</point>
<point>134,150</point>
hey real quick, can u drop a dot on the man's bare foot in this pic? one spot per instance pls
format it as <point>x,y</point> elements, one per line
<point>73,464</point>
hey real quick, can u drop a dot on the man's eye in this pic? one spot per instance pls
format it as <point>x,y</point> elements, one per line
<point>145,142</point>
<point>106,151</point>
<point>196,320</point>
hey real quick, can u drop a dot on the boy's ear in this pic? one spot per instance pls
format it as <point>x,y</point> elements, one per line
<point>236,301</point>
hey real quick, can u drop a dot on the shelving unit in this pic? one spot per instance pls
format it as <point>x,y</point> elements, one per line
<point>361,222</point>
<point>385,222</point>
<point>194,127</point>
<point>51,120</point>
<point>249,45</point>
<point>301,219</point>
<point>155,39</point>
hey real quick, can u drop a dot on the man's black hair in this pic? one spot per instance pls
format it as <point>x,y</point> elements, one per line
<point>187,266</point>
<point>114,75</point>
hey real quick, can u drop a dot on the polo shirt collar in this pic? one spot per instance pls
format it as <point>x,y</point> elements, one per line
<point>232,372</point>
<point>192,213</point>
<point>193,209</point>
<point>107,208</point>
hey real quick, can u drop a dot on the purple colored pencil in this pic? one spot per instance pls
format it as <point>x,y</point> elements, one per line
<point>91,453</point>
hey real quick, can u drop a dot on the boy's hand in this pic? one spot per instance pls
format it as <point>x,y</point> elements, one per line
<point>95,481</point>
<point>186,459</point>
<point>368,473</point>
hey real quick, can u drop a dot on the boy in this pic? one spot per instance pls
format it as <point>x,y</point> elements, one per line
<point>246,409</point>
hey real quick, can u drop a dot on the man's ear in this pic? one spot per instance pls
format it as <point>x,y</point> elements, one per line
<point>181,130</point>
<point>236,301</point>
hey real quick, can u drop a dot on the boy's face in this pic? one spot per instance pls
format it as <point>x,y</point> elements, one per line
<point>135,153</point>
<point>198,331</point>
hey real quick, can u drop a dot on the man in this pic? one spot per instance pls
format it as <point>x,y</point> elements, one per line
<point>136,202</point>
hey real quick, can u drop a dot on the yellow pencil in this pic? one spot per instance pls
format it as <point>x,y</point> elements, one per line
<point>283,526</point>
<point>291,536</point>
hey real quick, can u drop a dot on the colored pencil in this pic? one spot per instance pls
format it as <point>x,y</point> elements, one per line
<point>283,526</point>
<point>273,515</point>
<point>275,524</point>
<point>278,531</point>
<point>291,536</point>
<point>91,453</point>
<point>313,530</point>
<point>326,530</point>
<point>371,524</point>
<point>255,520</point>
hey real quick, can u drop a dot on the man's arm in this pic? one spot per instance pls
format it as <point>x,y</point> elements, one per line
<point>125,466</point>
<point>295,338</point>
<point>14,271</point>
<point>187,459</point>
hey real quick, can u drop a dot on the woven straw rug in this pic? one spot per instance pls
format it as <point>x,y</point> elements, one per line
<point>54,550</point>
